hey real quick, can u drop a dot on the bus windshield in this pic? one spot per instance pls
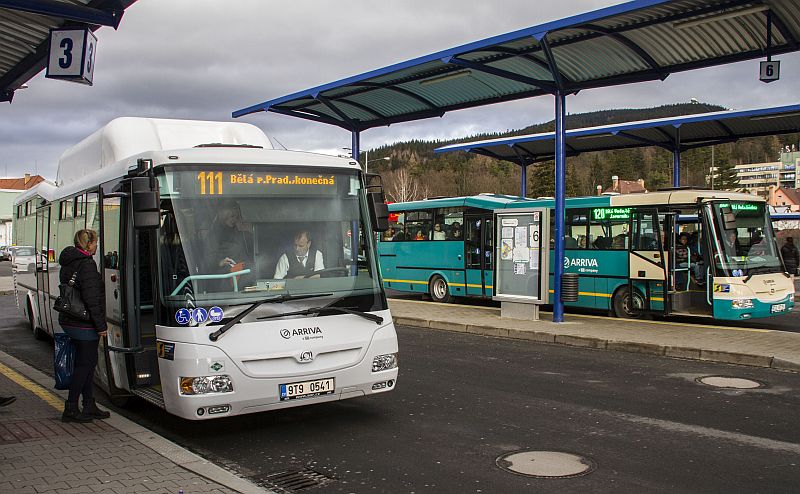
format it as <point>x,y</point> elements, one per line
<point>744,243</point>
<point>235,236</point>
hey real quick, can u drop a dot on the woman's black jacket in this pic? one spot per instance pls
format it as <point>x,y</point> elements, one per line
<point>90,285</point>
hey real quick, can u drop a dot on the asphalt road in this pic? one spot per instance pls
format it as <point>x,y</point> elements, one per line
<point>5,268</point>
<point>788,322</point>
<point>463,400</point>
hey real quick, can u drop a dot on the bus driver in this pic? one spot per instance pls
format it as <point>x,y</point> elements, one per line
<point>302,261</point>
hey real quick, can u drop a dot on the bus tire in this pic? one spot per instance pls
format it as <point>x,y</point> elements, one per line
<point>624,304</point>
<point>439,290</point>
<point>37,332</point>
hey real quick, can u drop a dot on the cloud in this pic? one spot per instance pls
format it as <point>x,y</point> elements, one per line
<point>202,59</point>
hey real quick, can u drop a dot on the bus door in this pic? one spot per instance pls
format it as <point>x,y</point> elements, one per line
<point>478,253</point>
<point>43,261</point>
<point>647,278</point>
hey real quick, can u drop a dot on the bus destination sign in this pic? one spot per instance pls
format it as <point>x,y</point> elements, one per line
<point>237,183</point>
<point>611,214</point>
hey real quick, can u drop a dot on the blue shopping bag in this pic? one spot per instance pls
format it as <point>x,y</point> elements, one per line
<point>64,360</point>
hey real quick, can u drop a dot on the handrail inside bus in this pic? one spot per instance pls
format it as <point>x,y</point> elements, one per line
<point>223,276</point>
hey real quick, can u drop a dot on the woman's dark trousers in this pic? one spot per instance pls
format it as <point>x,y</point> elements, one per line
<point>83,372</point>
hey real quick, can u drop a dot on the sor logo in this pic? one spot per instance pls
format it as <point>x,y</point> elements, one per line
<point>286,333</point>
<point>307,356</point>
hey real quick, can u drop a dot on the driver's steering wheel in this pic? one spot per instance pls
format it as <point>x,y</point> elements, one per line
<point>328,272</point>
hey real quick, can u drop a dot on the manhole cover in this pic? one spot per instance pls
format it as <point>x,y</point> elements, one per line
<point>546,464</point>
<point>730,382</point>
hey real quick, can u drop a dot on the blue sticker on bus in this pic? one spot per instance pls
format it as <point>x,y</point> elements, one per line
<point>183,316</point>
<point>199,315</point>
<point>216,314</point>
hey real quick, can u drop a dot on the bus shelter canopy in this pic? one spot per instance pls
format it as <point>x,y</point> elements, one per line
<point>641,40</point>
<point>675,134</point>
<point>25,33</point>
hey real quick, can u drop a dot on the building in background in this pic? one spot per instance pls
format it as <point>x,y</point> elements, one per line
<point>623,186</point>
<point>784,199</point>
<point>9,189</point>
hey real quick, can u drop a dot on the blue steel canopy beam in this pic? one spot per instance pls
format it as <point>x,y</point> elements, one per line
<point>727,140</point>
<point>406,92</point>
<point>546,85</point>
<point>524,54</point>
<point>70,12</point>
<point>308,115</point>
<point>551,62</point>
<point>325,101</point>
<point>367,109</point>
<point>641,52</point>
<point>643,140</point>
<point>725,128</point>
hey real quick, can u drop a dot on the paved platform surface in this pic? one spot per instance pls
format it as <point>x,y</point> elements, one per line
<point>756,347</point>
<point>40,454</point>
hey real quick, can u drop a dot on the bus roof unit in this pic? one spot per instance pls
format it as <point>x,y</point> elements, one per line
<point>128,136</point>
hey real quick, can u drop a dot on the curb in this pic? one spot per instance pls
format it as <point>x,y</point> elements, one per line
<point>688,353</point>
<point>164,447</point>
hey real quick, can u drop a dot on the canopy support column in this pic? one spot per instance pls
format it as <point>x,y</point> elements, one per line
<point>524,185</point>
<point>560,206</point>
<point>356,143</point>
<point>676,159</point>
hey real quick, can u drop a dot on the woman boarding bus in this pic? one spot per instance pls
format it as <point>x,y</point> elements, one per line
<point>194,218</point>
<point>624,249</point>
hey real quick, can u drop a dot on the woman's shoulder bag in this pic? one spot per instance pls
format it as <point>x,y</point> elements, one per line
<point>69,301</point>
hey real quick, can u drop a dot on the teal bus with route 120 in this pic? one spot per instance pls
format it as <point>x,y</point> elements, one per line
<point>679,251</point>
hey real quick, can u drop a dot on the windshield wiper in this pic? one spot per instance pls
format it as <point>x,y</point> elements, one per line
<point>315,310</point>
<point>281,298</point>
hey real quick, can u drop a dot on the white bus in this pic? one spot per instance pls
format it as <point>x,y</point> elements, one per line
<point>194,219</point>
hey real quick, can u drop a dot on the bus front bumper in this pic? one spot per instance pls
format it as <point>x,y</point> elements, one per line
<point>751,308</point>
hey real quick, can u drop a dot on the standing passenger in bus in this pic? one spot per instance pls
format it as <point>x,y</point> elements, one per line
<point>85,335</point>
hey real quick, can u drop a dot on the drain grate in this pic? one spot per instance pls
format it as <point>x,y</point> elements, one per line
<point>289,481</point>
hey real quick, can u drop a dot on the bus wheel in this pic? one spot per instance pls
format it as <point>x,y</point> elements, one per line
<point>37,333</point>
<point>439,290</point>
<point>628,307</point>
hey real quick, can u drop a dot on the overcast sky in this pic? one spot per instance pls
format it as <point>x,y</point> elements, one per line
<point>202,59</point>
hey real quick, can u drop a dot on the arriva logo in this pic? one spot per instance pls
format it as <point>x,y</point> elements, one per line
<point>580,263</point>
<point>285,333</point>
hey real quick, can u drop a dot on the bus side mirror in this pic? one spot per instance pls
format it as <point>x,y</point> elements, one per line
<point>146,209</point>
<point>378,211</point>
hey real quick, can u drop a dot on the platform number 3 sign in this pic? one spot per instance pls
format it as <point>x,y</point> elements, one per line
<point>72,53</point>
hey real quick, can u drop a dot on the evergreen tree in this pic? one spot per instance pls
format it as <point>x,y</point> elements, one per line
<point>726,178</point>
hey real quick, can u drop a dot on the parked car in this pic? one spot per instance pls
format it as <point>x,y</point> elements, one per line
<point>5,253</point>
<point>23,259</point>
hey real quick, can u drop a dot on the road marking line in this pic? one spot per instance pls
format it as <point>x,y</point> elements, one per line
<point>46,396</point>
<point>606,318</point>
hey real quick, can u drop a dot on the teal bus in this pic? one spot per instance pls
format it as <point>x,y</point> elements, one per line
<point>680,251</point>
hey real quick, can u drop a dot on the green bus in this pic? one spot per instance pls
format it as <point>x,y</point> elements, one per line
<point>682,251</point>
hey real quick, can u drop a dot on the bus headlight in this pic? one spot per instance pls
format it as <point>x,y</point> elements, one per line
<point>206,384</point>
<point>384,362</point>
<point>742,303</point>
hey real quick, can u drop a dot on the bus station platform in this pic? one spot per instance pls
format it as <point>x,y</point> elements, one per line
<point>744,346</point>
<point>40,454</point>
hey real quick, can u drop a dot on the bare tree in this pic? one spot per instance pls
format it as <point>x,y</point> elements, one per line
<point>402,186</point>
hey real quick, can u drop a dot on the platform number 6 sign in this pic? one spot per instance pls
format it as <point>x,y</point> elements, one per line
<point>71,57</point>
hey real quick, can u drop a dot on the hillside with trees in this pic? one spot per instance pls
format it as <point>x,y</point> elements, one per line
<point>415,172</point>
